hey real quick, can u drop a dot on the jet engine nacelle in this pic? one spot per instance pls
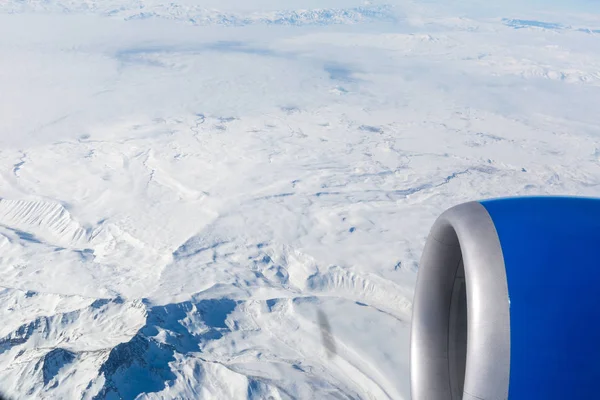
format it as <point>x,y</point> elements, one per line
<point>507,302</point>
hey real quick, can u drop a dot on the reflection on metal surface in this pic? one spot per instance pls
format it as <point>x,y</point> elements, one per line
<point>326,336</point>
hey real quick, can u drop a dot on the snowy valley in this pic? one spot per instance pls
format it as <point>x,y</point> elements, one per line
<point>204,200</point>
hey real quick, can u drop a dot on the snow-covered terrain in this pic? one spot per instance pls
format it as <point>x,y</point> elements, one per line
<point>212,200</point>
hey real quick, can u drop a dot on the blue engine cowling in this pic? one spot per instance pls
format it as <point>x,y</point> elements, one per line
<point>507,302</point>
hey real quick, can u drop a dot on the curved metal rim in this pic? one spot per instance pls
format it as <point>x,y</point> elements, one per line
<point>466,231</point>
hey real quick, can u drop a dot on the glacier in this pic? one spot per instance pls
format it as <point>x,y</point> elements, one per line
<point>203,199</point>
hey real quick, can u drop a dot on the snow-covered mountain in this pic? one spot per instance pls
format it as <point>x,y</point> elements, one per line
<point>201,199</point>
<point>205,13</point>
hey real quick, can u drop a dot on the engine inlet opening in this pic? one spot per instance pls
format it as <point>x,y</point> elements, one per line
<point>457,334</point>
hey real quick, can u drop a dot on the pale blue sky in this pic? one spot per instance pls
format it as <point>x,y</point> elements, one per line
<point>515,8</point>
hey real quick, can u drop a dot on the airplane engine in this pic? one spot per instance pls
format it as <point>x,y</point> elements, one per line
<point>507,302</point>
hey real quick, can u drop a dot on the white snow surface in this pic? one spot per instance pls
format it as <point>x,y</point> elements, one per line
<point>213,200</point>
